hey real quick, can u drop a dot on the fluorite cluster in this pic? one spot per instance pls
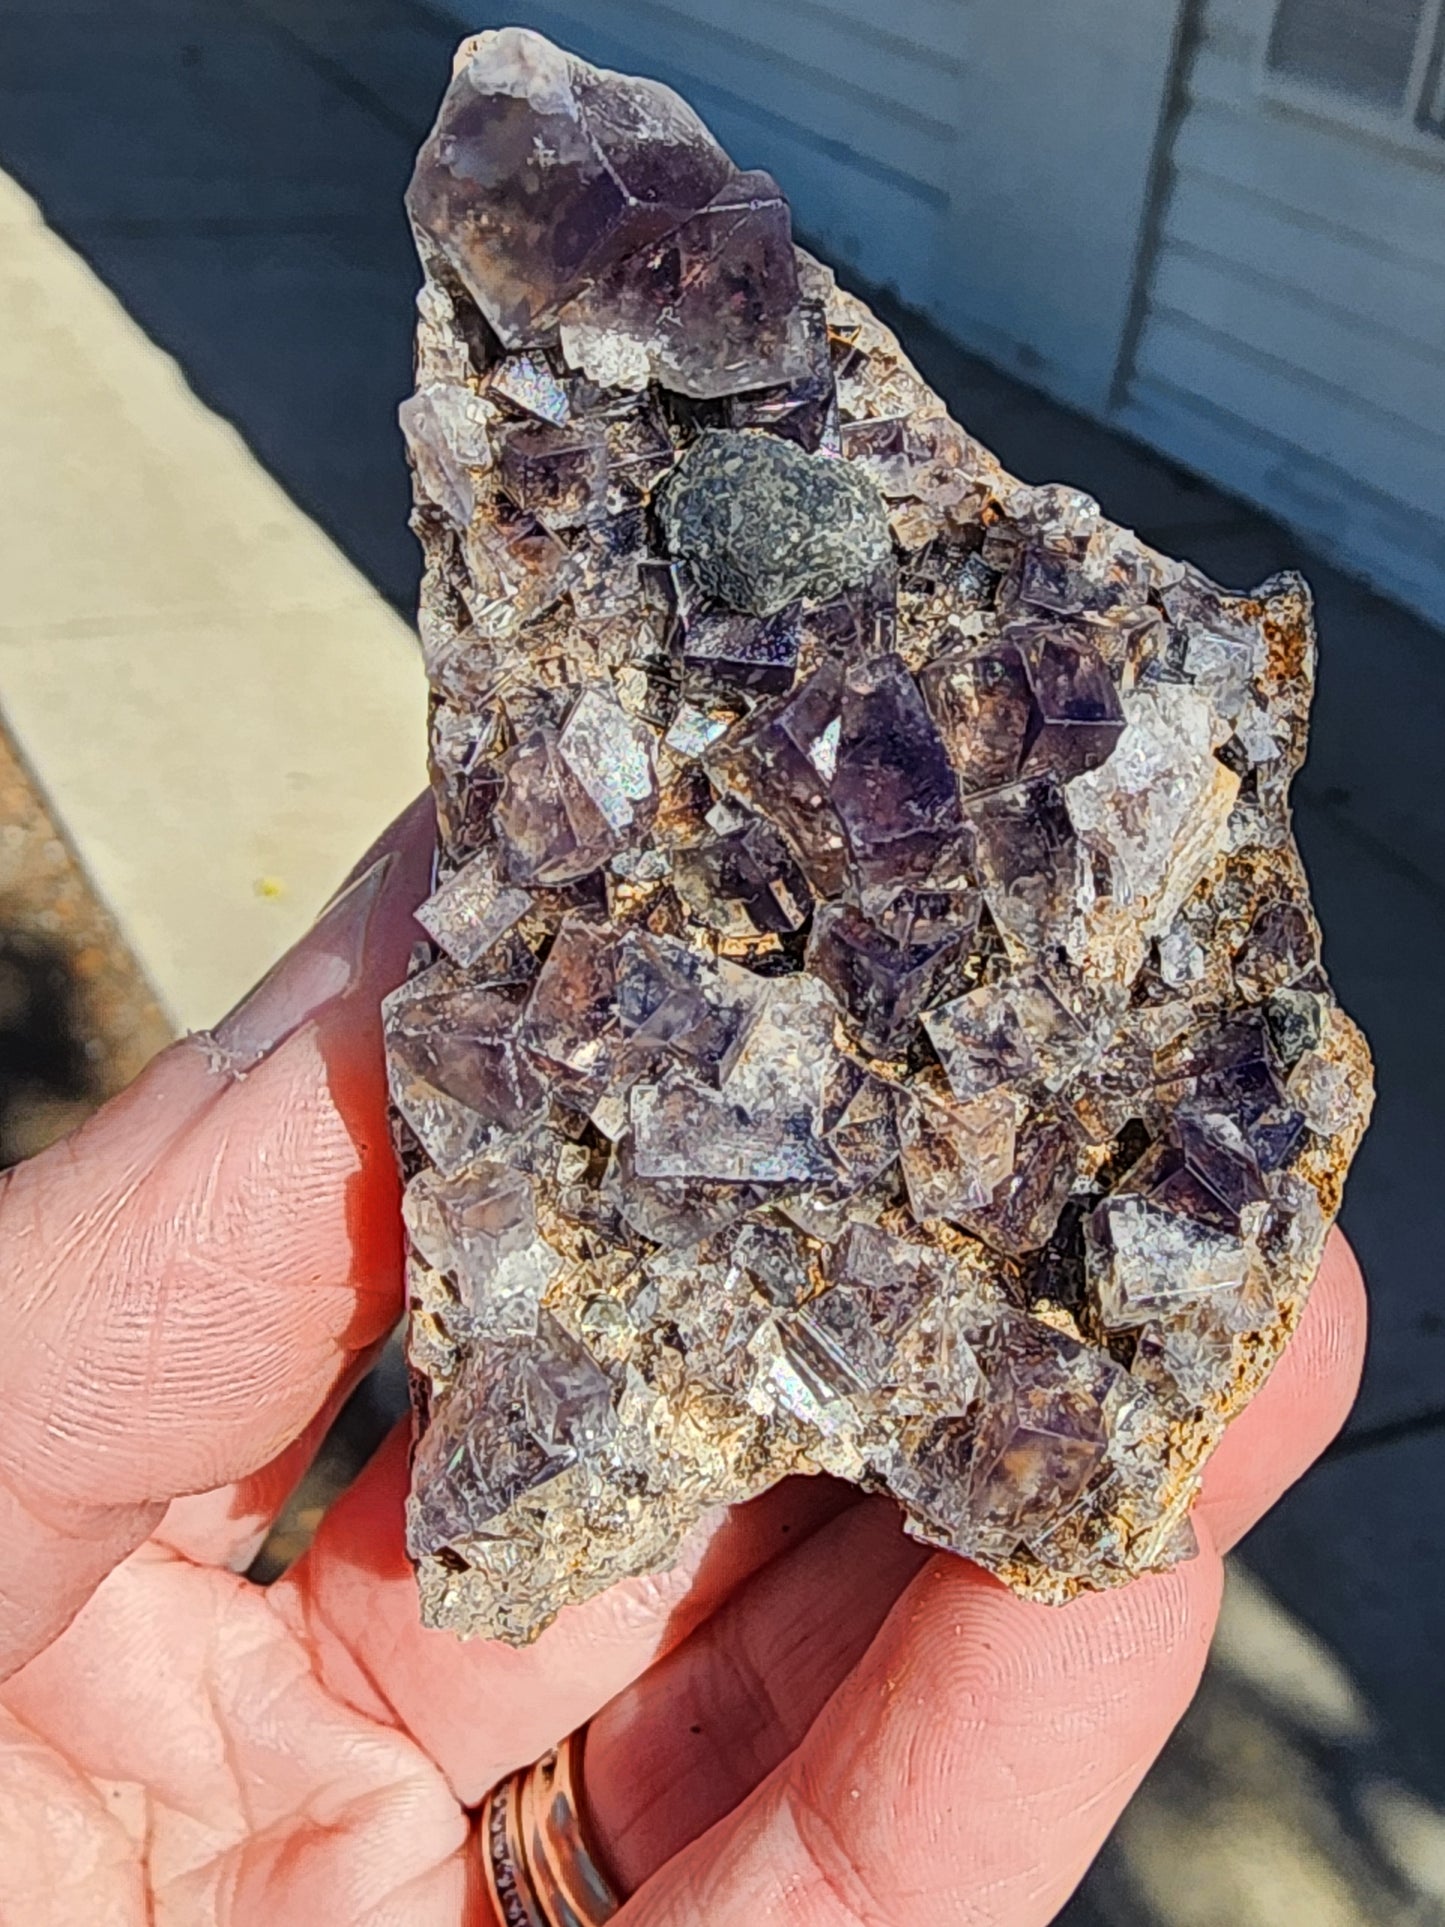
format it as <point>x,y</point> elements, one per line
<point>874,1020</point>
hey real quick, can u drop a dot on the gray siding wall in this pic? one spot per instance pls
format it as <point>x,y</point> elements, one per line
<point>1292,338</point>
<point>989,161</point>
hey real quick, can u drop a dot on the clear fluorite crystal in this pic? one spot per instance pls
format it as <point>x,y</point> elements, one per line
<point>473,910</point>
<point>872,1020</point>
<point>480,1229</point>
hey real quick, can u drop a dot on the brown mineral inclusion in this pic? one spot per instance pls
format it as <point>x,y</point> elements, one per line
<point>874,1021</point>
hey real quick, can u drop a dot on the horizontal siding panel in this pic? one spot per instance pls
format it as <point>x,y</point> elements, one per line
<point>1378,193</point>
<point>704,63</point>
<point>1293,342</point>
<point>1402,463</point>
<point>1399,549</point>
<point>932,30</point>
<point>1399,297</point>
<point>813,39</point>
<point>922,23</point>
<point>1284,325</point>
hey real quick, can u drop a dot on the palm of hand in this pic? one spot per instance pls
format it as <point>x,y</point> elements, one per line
<point>806,1721</point>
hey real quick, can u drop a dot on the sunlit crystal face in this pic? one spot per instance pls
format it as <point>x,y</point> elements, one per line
<point>539,177</point>
<point>872,1021</point>
<point>479,1228</point>
<point>709,310</point>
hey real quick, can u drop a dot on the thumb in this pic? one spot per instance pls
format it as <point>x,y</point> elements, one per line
<point>191,1273</point>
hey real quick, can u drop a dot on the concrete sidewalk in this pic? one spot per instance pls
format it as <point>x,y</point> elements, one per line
<point>218,701</point>
<point>202,514</point>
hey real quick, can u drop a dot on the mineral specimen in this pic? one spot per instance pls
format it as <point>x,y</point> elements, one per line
<point>764,524</point>
<point>873,1020</point>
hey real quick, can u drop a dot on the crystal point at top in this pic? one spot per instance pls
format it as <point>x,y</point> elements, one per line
<point>542,173</point>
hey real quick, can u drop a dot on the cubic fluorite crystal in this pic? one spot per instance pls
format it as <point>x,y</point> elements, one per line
<point>873,1020</point>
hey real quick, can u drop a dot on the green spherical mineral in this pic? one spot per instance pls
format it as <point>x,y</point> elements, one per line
<point>763,523</point>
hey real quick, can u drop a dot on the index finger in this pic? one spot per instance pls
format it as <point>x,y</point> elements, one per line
<point>191,1273</point>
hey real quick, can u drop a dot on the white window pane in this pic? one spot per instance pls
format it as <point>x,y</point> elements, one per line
<point>1365,48</point>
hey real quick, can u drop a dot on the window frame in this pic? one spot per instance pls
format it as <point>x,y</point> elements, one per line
<point>1410,129</point>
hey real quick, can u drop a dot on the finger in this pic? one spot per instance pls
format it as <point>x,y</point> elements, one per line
<point>185,1709</point>
<point>677,1751</point>
<point>190,1274</point>
<point>480,1708</point>
<point>685,1743</point>
<point>968,1769</point>
<point>1303,1403</point>
<point>228,1526</point>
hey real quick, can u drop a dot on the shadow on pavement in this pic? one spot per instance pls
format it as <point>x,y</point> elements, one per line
<point>241,192</point>
<point>45,1074</point>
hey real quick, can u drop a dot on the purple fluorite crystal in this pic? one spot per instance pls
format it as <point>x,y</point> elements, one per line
<point>882,973</point>
<point>542,174</point>
<point>872,1020</point>
<point>892,784</point>
<point>709,310</point>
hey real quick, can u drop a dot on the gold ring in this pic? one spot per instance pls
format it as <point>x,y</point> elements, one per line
<point>539,1867</point>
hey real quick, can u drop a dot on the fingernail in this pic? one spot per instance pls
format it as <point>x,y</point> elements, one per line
<point>325,966</point>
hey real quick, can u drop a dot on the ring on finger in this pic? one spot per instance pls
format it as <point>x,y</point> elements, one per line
<point>537,1860</point>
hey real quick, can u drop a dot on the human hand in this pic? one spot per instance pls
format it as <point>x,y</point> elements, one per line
<point>809,1721</point>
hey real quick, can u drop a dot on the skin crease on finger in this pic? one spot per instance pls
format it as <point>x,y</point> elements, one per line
<point>193,1272</point>
<point>681,1747</point>
<point>179,1330</point>
<point>967,1769</point>
<point>245,1793</point>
